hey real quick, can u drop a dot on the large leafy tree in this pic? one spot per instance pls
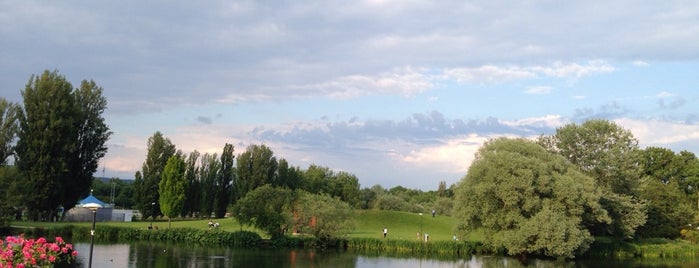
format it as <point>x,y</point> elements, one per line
<point>8,129</point>
<point>172,187</point>
<point>527,201</point>
<point>92,136</point>
<point>224,182</point>
<point>146,182</point>
<point>266,207</point>
<point>609,154</point>
<point>61,139</point>
<point>666,187</point>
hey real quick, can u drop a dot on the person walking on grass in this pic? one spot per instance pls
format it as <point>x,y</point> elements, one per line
<point>385,232</point>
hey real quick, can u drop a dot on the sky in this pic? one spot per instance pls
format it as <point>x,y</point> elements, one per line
<point>394,92</point>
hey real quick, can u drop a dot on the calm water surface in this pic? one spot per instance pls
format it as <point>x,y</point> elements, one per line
<point>145,254</point>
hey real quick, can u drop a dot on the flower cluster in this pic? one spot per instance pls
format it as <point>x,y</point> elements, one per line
<point>16,251</point>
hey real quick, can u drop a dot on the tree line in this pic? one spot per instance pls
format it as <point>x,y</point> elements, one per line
<point>174,184</point>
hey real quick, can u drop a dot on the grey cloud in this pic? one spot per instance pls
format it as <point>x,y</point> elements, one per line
<point>204,120</point>
<point>671,104</point>
<point>204,52</point>
<point>420,128</point>
<point>607,111</point>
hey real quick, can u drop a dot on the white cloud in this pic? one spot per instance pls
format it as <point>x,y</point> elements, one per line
<point>499,74</point>
<point>547,121</point>
<point>538,90</point>
<point>574,70</point>
<point>665,94</point>
<point>661,133</point>
<point>640,63</point>
<point>453,155</point>
<point>489,74</point>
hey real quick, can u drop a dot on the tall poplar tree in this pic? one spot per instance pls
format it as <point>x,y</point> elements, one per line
<point>224,182</point>
<point>160,149</point>
<point>192,204</point>
<point>172,187</point>
<point>255,167</point>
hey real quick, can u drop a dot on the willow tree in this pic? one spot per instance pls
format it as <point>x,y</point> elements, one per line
<point>527,200</point>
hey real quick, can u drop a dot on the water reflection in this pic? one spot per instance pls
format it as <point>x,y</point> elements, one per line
<point>157,255</point>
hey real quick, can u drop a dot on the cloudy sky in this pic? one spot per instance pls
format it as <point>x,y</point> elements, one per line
<point>395,92</point>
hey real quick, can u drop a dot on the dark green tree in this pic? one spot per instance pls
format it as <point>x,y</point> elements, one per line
<point>192,203</point>
<point>90,147</point>
<point>224,183</point>
<point>172,188</point>
<point>10,203</point>
<point>288,176</point>
<point>208,173</point>
<point>670,206</point>
<point>160,149</point>
<point>61,139</point>
<point>255,167</point>
<point>527,201</point>
<point>9,127</point>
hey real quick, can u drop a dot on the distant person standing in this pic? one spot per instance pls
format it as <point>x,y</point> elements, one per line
<point>385,232</point>
<point>433,212</point>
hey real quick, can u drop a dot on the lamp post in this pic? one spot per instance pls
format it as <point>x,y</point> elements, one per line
<point>93,207</point>
<point>152,207</point>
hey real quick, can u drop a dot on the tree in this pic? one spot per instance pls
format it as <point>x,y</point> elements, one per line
<point>92,136</point>
<point>527,201</point>
<point>225,181</point>
<point>670,205</point>
<point>61,139</point>
<point>160,149</point>
<point>267,208</point>
<point>8,129</point>
<point>321,215</point>
<point>208,172</point>
<point>255,167</point>
<point>192,203</point>
<point>609,154</point>
<point>9,202</point>
<point>172,187</point>
<point>288,176</point>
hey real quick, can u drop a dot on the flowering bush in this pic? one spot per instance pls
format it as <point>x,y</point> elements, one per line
<point>16,251</point>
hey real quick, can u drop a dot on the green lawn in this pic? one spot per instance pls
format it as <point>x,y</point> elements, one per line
<point>368,224</point>
<point>402,225</point>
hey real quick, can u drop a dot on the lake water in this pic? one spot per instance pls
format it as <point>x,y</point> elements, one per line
<point>156,255</point>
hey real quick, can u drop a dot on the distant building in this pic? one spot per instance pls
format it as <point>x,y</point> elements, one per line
<point>106,213</point>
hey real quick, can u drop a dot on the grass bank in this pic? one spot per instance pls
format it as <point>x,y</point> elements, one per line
<point>366,238</point>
